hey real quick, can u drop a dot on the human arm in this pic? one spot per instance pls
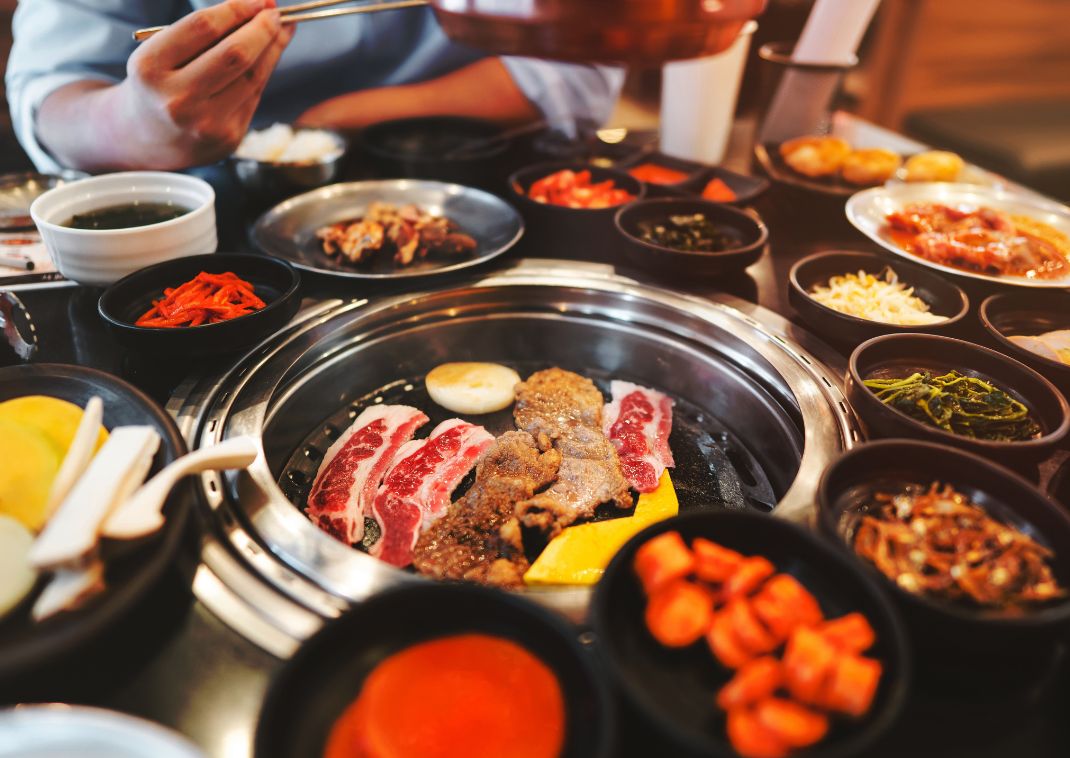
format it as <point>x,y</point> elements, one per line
<point>503,90</point>
<point>186,99</point>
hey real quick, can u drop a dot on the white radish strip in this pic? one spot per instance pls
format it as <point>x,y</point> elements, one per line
<point>142,514</point>
<point>113,473</point>
<point>79,454</point>
<point>69,588</point>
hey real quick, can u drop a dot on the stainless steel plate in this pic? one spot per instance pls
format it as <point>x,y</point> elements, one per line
<point>18,191</point>
<point>289,229</point>
<point>868,209</point>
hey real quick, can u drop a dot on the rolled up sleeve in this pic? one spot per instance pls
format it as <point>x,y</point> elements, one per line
<point>59,42</point>
<point>567,94</point>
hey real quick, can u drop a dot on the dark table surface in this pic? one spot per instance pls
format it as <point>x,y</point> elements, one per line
<point>193,673</point>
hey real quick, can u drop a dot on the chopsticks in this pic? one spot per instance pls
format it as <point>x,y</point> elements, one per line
<point>308,11</point>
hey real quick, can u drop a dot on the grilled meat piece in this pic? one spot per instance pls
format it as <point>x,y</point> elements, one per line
<point>409,231</point>
<point>479,538</point>
<point>563,411</point>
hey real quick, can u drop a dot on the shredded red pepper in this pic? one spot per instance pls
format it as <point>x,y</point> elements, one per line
<point>205,299</point>
<point>574,189</point>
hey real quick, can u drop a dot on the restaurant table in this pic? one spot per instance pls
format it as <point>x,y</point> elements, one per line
<point>185,668</point>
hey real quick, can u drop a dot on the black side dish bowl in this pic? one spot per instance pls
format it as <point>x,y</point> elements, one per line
<point>43,660</point>
<point>674,689</point>
<point>747,189</point>
<point>446,148</point>
<point>559,231</point>
<point>275,281</point>
<point>1029,314</point>
<point>1004,495</point>
<point>750,234</point>
<point>942,297</point>
<point>900,355</point>
<point>312,690</point>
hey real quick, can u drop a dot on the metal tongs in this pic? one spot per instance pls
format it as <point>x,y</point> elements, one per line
<point>311,11</point>
<point>9,306</point>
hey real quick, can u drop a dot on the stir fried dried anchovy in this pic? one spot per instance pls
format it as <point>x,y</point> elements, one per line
<point>938,543</point>
<point>963,405</point>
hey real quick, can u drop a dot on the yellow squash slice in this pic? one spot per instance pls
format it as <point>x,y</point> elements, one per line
<point>580,554</point>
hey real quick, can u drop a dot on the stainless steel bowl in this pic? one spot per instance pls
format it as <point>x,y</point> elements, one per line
<point>18,191</point>
<point>275,576</point>
<point>277,180</point>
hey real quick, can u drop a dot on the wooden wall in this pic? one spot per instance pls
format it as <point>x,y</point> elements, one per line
<point>930,53</point>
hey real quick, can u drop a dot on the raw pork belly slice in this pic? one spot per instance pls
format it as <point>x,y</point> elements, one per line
<point>354,465</point>
<point>416,490</point>
<point>638,421</point>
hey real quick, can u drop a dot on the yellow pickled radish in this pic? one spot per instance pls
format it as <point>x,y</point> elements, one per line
<point>28,463</point>
<point>580,554</point>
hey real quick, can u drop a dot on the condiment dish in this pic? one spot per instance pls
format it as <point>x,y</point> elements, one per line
<point>446,148</point>
<point>560,231</point>
<point>751,233</point>
<point>674,689</point>
<point>275,281</point>
<point>942,297</point>
<point>1005,495</point>
<point>1028,314</point>
<point>57,657</point>
<point>313,688</point>
<point>99,257</point>
<point>900,355</point>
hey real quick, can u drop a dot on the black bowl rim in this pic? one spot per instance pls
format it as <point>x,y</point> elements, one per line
<point>992,446</point>
<point>365,142</point>
<point>793,280</point>
<point>104,305</point>
<point>1053,615</point>
<point>517,179</point>
<point>603,725</point>
<point>876,725</point>
<point>998,299</point>
<point>745,218</point>
<point>656,157</point>
<point>66,639</point>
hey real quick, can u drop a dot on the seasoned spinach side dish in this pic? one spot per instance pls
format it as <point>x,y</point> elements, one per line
<point>963,405</point>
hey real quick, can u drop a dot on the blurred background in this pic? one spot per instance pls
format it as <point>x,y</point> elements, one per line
<point>989,79</point>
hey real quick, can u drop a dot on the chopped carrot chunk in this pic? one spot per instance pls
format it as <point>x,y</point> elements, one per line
<point>851,633</point>
<point>748,577</point>
<point>663,559</point>
<point>754,681</point>
<point>725,644</point>
<point>808,661</point>
<point>852,685</point>
<point>750,739</point>
<point>795,725</point>
<point>714,563</point>
<point>777,620</point>
<point>678,614</point>
<point>791,595</point>
<point>749,630</point>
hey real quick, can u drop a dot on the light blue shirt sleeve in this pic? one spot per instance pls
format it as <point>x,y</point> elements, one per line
<point>568,94</point>
<point>58,42</point>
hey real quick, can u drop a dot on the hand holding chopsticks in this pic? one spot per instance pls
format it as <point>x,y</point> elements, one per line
<point>310,11</point>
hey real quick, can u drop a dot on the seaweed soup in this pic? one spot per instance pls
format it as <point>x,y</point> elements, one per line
<point>126,215</point>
